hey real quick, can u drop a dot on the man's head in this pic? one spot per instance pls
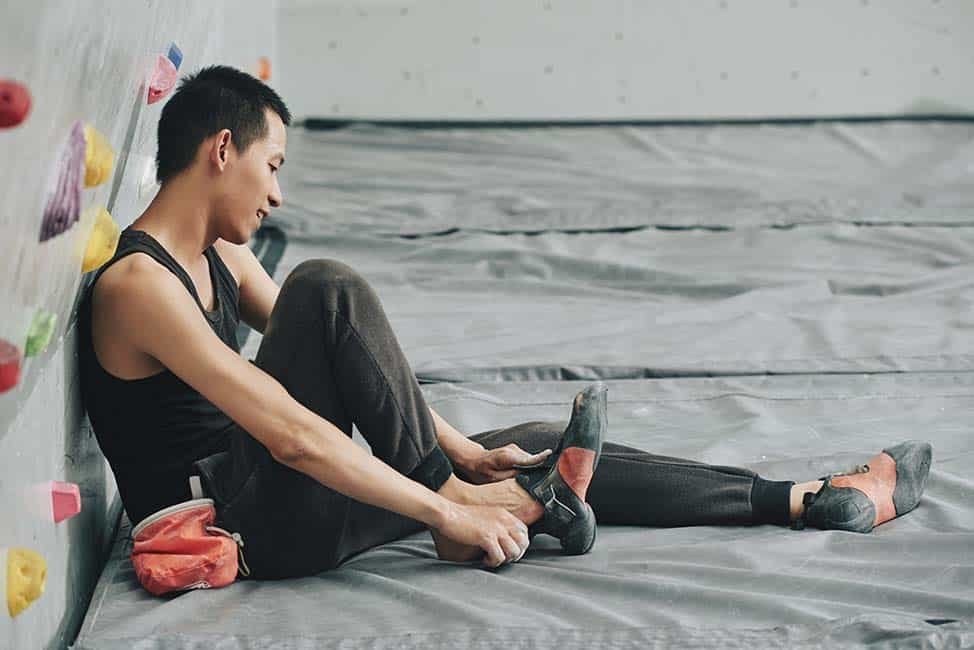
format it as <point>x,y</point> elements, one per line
<point>227,128</point>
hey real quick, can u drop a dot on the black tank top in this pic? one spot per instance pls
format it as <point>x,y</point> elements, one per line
<point>152,429</point>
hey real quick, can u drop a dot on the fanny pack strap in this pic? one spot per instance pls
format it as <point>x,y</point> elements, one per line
<point>196,487</point>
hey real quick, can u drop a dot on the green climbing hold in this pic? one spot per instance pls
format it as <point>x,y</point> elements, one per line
<point>39,335</point>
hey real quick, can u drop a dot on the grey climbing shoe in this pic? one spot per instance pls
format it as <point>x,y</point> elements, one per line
<point>888,486</point>
<point>561,482</point>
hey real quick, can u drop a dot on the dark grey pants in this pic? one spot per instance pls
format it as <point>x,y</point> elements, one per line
<point>330,345</point>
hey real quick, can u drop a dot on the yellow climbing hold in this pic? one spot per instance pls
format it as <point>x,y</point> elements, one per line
<point>39,335</point>
<point>26,575</point>
<point>99,157</point>
<point>103,240</point>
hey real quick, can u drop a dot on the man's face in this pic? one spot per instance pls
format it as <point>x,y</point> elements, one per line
<point>249,185</point>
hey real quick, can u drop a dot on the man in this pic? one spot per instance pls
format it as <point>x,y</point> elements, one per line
<point>169,395</point>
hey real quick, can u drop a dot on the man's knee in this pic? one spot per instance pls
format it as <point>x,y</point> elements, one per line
<point>327,277</point>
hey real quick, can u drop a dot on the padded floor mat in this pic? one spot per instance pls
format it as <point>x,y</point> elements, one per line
<point>829,298</point>
<point>909,582</point>
<point>417,182</point>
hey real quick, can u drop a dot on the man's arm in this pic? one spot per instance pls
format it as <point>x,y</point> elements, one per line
<point>258,291</point>
<point>160,318</point>
<point>460,449</point>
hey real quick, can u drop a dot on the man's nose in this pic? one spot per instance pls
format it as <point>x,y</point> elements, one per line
<point>275,198</point>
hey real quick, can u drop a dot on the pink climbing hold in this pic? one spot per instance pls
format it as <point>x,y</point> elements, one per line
<point>65,500</point>
<point>14,103</point>
<point>9,365</point>
<point>63,207</point>
<point>163,79</point>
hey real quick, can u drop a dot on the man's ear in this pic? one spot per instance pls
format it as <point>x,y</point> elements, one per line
<point>220,149</point>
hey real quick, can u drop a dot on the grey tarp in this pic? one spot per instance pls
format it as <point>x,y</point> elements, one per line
<point>824,252</point>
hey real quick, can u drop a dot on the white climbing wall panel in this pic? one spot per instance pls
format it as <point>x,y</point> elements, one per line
<point>622,60</point>
<point>85,61</point>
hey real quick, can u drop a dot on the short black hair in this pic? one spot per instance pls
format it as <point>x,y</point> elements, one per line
<point>217,97</point>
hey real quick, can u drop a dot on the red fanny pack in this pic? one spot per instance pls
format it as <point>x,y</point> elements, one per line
<point>179,548</point>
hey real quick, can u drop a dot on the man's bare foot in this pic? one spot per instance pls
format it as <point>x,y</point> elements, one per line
<point>506,494</point>
<point>450,551</point>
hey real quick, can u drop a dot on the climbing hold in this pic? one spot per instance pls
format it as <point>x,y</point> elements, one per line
<point>14,103</point>
<point>99,157</point>
<point>26,573</point>
<point>39,335</point>
<point>147,184</point>
<point>63,205</point>
<point>264,68</point>
<point>9,365</point>
<point>175,55</point>
<point>163,79</point>
<point>103,240</point>
<point>65,500</point>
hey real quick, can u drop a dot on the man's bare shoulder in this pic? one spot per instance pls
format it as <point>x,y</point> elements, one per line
<point>236,256</point>
<point>121,298</point>
<point>131,277</point>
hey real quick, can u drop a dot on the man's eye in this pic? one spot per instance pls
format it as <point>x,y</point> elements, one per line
<point>273,168</point>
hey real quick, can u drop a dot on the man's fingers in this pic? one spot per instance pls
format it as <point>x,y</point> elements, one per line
<point>525,457</point>
<point>512,549</point>
<point>495,555</point>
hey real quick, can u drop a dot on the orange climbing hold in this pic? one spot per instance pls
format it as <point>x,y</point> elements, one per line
<point>10,358</point>
<point>14,103</point>
<point>26,574</point>
<point>65,500</point>
<point>163,79</point>
<point>99,157</point>
<point>264,68</point>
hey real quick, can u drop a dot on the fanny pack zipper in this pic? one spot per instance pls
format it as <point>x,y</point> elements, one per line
<point>243,569</point>
<point>165,512</point>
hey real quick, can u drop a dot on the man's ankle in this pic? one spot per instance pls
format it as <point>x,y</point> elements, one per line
<point>456,490</point>
<point>798,493</point>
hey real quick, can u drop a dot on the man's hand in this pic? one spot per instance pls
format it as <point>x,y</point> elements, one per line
<point>492,465</point>
<point>501,535</point>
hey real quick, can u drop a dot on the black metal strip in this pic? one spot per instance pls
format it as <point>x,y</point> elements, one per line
<point>330,124</point>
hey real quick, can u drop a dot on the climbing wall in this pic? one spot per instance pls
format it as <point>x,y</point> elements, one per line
<point>81,89</point>
<point>625,60</point>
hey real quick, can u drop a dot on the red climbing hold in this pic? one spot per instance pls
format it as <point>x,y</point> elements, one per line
<point>9,365</point>
<point>163,79</point>
<point>65,500</point>
<point>14,103</point>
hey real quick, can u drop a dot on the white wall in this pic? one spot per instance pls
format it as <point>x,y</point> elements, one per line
<point>89,61</point>
<point>618,60</point>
